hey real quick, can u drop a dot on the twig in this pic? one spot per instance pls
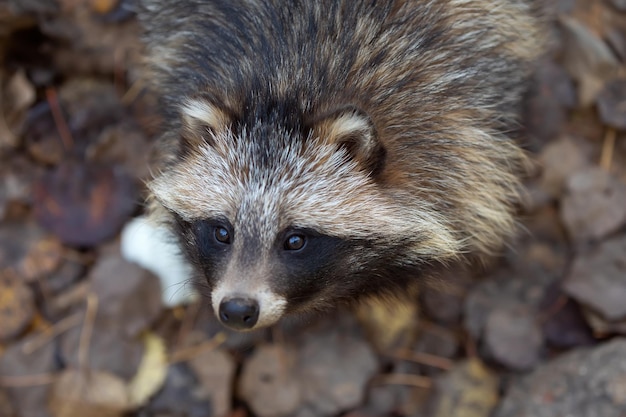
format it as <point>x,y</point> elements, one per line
<point>553,309</point>
<point>59,120</point>
<point>411,380</point>
<point>608,147</point>
<point>85,334</point>
<point>20,381</point>
<point>118,71</point>
<point>470,347</point>
<point>278,338</point>
<point>133,92</point>
<point>429,326</point>
<point>189,318</point>
<point>61,327</point>
<point>185,354</point>
<point>423,358</point>
<point>72,296</point>
<point>238,412</point>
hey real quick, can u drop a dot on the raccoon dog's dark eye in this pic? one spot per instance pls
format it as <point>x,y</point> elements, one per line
<point>222,235</point>
<point>295,242</point>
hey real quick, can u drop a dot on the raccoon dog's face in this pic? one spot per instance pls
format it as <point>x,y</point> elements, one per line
<point>279,219</point>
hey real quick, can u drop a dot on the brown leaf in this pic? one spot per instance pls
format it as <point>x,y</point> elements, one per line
<point>469,390</point>
<point>17,174</point>
<point>109,350</point>
<point>587,58</point>
<point>334,367</point>
<point>129,295</point>
<point>580,383</point>
<point>389,326</point>
<point>560,159</point>
<point>103,6</point>
<point>6,408</point>
<point>619,4</point>
<point>16,96</point>
<point>43,257</point>
<point>552,93</point>
<point>215,370</point>
<point>88,393</point>
<point>322,373</point>
<point>598,279</point>
<point>562,321</point>
<point>84,204</point>
<point>42,136</point>
<point>179,396</point>
<point>594,205</point>
<point>21,373</point>
<point>16,241</point>
<point>268,383</point>
<point>17,306</point>
<point>513,337</point>
<point>612,104</point>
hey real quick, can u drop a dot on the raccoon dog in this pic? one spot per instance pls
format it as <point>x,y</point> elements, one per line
<point>319,151</point>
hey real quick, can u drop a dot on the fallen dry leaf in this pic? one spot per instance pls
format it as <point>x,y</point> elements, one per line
<point>179,396</point>
<point>77,393</point>
<point>152,371</point>
<point>6,408</point>
<point>588,59</point>
<point>84,205</point>
<point>334,367</point>
<point>42,137</point>
<point>469,390</point>
<point>562,320</point>
<point>389,326</point>
<point>551,95</point>
<point>598,279</point>
<point>268,382</point>
<point>559,160</point>
<point>28,250</point>
<point>44,256</point>
<point>17,94</point>
<point>612,104</point>
<point>215,369</point>
<point>582,383</point>
<point>103,6</point>
<point>129,295</point>
<point>110,350</point>
<point>17,305</point>
<point>594,205</point>
<point>26,376</point>
<point>513,337</point>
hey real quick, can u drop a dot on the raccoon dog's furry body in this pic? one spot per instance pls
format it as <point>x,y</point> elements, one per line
<point>319,151</point>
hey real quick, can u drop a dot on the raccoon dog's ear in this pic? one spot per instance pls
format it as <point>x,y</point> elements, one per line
<point>352,129</point>
<point>202,120</point>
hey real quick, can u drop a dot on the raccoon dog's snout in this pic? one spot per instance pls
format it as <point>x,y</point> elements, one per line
<point>242,308</point>
<point>239,313</point>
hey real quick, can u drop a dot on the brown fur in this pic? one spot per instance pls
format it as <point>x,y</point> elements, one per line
<point>384,123</point>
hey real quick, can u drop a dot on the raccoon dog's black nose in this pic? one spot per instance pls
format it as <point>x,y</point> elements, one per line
<point>239,313</point>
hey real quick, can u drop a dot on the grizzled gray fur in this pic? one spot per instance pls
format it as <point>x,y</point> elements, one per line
<point>316,152</point>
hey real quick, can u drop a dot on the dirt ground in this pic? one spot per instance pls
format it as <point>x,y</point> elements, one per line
<point>83,332</point>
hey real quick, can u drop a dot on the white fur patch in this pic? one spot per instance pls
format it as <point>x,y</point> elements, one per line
<point>152,248</point>
<point>348,123</point>
<point>202,112</point>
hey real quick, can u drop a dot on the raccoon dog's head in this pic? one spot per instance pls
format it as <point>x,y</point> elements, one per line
<point>281,217</point>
